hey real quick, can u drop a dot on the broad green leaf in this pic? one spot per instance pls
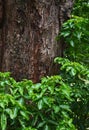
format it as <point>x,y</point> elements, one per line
<point>65,107</point>
<point>72,43</point>
<point>73,72</point>
<point>2,83</point>
<point>40,104</point>
<point>2,104</point>
<point>3,121</point>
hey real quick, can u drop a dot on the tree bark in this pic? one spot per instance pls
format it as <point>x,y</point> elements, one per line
<point>27,43</point>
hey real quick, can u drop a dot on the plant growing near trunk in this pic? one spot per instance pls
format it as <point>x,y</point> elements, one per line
<point>44,106</point>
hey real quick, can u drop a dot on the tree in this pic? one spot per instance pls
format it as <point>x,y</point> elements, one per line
<point>28,29</point>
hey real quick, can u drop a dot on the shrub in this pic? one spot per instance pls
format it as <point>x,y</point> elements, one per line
<point>58,102</point>
<point>26,106</point>
<point>77,77</point>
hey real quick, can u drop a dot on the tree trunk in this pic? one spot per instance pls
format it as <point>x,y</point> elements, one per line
<point>28,29</point>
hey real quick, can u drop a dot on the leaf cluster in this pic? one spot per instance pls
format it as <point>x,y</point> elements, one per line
<point>41,106</point>
<point>75,33</point>
<point>77,77</point>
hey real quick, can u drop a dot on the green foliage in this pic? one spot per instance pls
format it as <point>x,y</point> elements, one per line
<point>56,103</point>
<point>44,106</point>
<point>75,69</point>
<point>81,8</point>
<point>77,76</point>
<point>75,33</point>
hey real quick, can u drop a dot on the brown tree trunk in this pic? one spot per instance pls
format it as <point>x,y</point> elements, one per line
<point>27,42</point>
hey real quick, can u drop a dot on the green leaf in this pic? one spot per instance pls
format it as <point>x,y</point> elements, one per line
<point>21,101</point>
<point>35,120</point>
<point>41,124</point>
<point>56,109</point>
<point>2,104</point>
<point>72,43</point>
<point>3,121</point>
<point>21,90</point>
<point>65,34</point>
<point>40,104</point>
<point>46,127</point>
<point>45,99</point>
<point>79,35</point>
<point>53,122</point>
<point>12,112</point>
<point>51,89</point>
<point>73,72</point>
<point>65,107</point>
<point>22,123</point>
<point>24,114</point>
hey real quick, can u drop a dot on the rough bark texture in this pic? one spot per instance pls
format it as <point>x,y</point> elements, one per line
<point>27,37</point>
